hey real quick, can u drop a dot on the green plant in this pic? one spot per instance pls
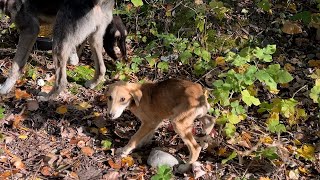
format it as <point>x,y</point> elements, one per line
<point>269,153</point>
<point>235,90</point>
<point>1,112</point>
<point>164,172</point>
<point>80,74</point>
<point>106,144</point>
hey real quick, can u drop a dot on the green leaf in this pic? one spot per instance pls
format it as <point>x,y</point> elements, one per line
<point>164,172</point>
<point>264,76</point>
<point>288,107</point>
<point>315,94</point>
<point>248,99</point>
<point>234,119</point>
<point>274,125</point>
<point>270,153</point>
<point>137,3</point>
<point>304,16</point>
<point>284,77</point>
<point>106,144</point>
<point>230,129</point>
<point>164,66</point>
<point>265,5</point>
<point>185,56</point>
<point>1,112</point>
<point>80,74</point>
<point>230,157</point>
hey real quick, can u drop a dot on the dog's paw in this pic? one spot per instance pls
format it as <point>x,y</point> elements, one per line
<point>122,152</point>
<point>182,168</point>
<point>91,84</point>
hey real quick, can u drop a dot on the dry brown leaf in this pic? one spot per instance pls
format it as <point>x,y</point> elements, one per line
<point>111,175</point>
<point>291,28</point>
<point>74,175</point>
<point>46,89</point>
<point>62,109</point>
<point>19,94</point>
<point>198,2</point>
<point>18,163</point>
<point>7,174</point>
<point>87,151</point>
<point>289,67</point>
<point>46,171</point>
<point>17,119</point>
<point>114,165</point>
<point>264,178</point>
<point>314,63</point>
<point>220,61</point>
<point>266,140</point>
<point>222,152</point>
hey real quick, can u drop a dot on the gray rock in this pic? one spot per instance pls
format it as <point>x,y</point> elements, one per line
<point>158,158</point>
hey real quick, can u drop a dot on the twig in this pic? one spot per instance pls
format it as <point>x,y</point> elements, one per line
<point>303,87</point>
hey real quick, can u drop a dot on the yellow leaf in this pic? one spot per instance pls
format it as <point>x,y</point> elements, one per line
<point>303,170</point>
<point>96,114</point>
<point>306,151</point>
<point>291,28</point>
<point>103,130</point>
<point>127,160</point>
<point>292,120</point>
<point>252,90</point>
<point>317,82</point>
<point>220,61</point>
<point>83,106</point>
<point>266,140</point>
<point>301,113</point>
<point>23,137</point>
<point>297,142</point>
<point>62,109</point>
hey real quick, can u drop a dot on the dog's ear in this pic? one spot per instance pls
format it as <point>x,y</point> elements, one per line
<point>135,92</point>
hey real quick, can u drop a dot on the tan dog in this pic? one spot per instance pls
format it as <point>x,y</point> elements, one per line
<point>178,100</point>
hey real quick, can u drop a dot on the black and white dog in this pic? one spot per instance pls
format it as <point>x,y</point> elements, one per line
<point>74,22</point>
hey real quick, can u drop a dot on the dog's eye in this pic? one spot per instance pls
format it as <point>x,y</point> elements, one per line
<point>122,99</point>
<point>110,98</point>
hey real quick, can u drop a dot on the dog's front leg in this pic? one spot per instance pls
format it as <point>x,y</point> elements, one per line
<point>96,44</point>
<point>144,133</point>
<point>29,29</point>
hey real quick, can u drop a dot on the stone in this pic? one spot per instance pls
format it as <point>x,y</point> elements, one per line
<point>158,158</point>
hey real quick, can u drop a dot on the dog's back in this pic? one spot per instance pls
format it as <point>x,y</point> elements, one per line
<point>172,96</point>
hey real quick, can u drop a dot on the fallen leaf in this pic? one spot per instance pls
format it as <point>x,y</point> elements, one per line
<point>46,89</point>
<point>264,178</point>
<point>113,175</point>
<point>222,152</point>
<point>198,2</point>
<point>62,109</point>
<point>198,170</point>
<point>74,175</point>
<point>103,130</point>
<point>19,94</point>
<point>266,140</point>
<point>81,144</point>
<point>314,63</point>
<point>114,165</point>
<point>83,106</point>
<point>23,136</point>
<point>307,152</point>
<point>46,171</point>
<point>128,160</point>
<point>220,61</point>
<point>289,67</point>
<point>87,151</point>
<point>291,28</point>
<point>17,120</point>
<point>7,174</point>
<point>294,175</point>
<point>18,163</point>
<point>32,105</point>
<point>303,170</point>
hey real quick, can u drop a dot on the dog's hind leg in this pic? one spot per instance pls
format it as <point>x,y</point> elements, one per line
<point>96,45</point>
<point>29,29</point>
<point>183,125</point>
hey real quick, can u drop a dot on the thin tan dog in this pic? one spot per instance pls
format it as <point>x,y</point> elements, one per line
<point>178,100</point>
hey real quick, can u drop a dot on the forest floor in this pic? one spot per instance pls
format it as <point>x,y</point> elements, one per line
<point>68,138</point>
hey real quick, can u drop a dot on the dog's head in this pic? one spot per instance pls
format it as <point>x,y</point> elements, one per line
<point>120,95</point>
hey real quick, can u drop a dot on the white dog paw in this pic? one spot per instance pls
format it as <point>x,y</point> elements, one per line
<point>122,152</point>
